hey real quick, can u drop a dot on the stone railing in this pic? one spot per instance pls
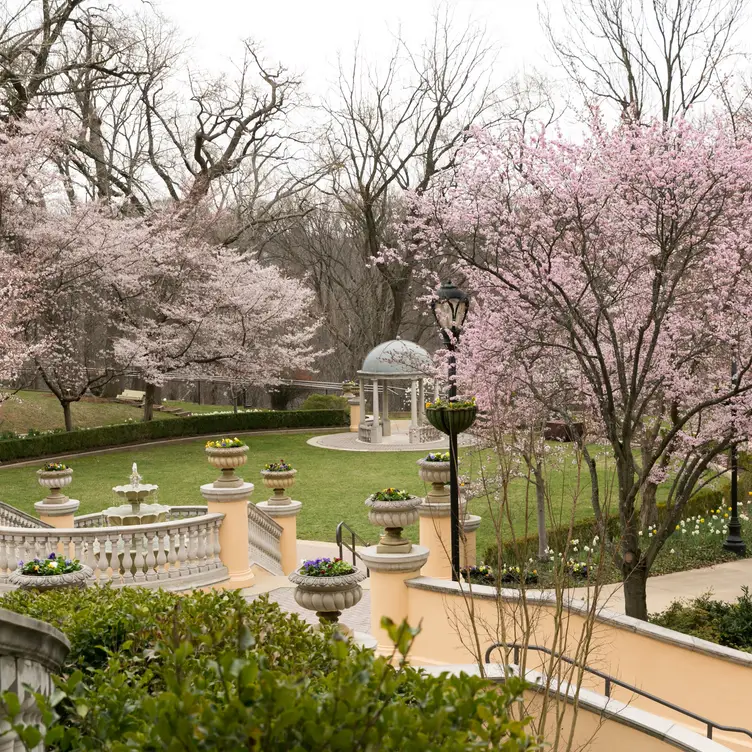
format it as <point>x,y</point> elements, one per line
<point>30,651</point>
<point>176,555</point>
<point>12,517</point>
<point>264,535</point>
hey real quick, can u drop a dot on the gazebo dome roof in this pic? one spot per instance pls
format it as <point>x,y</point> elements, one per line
<point>397,358</point>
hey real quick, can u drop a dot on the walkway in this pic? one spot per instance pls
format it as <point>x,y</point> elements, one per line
<point>399,441</point>
<point>724,582</point>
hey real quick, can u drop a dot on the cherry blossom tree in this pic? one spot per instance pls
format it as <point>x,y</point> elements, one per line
<point>193,310</point>
<point>612,279</point>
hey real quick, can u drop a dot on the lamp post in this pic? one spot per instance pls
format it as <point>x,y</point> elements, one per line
<point>450,306</point>
<point>734,541</point>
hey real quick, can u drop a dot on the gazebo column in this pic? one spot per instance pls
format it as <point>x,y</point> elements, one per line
<point>413,405</point>
<point>362,398</point>
<point>386,429</point>
<point>376,429</point>
<point>421,402</point>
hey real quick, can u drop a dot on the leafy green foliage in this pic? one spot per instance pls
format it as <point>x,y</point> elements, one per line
<point>125,433</point>
<point>324,402</point>
<point>212,672</point>
<point>728,624</point>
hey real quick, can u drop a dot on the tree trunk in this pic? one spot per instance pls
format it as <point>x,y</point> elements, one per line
<point>149,402</point>
<point>635,590</point>
<point>540,498</point>
<point>67,415</point>
<point>648,507</point>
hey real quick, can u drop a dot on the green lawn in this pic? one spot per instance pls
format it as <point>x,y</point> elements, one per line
<point>42,411</point>
<point>331,484</point>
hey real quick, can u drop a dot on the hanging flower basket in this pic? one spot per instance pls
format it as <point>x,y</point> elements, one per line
<point>451,420</point>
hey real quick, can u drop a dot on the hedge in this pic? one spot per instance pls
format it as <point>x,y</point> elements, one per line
<point>125,433</point>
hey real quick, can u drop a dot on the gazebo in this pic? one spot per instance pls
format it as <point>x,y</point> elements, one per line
<point>395,360</point>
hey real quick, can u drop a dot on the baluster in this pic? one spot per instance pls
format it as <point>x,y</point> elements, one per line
<point>173,547</point>
<point>139,560</point>
<point>4,564</point>
<point>212,526</point>
<point>127,558</point>
<point>163,543</point>
<point>91,556</point>
<point>103,565</point>
<point>201,533</point>
<point>192,550</point>
<point>183,552</point>
<point>151,559</point>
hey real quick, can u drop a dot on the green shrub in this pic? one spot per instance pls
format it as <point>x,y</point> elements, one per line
<point>728,624</point>
<point>195,425</point>
<point>324,402</point>
<point>213,672</point>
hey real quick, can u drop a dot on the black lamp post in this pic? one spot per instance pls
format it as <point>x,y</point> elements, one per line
<point>734,541</point>
<point>450,308</point>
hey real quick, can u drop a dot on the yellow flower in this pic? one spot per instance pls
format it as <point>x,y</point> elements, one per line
<point>678,527</point>
<point>702,519</point>
<point>725,515</point>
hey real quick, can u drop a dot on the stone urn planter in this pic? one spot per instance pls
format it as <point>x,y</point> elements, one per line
<point>78,579</point>
<point>227,459</point>
<point>436,473</point>
<point>393,515</point>
<point>54,481</point>
<point>452,420</point>
<point>278,481</point>
<point>329,596</point>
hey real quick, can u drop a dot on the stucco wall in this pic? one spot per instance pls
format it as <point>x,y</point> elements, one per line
<point>710,680</point>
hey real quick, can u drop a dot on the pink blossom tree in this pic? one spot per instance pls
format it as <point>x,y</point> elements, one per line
<point>193,310</point>
<point>612,279</point>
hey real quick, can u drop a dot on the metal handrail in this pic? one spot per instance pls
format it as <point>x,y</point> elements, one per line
<point>612,680</point>
<point>354,537</point>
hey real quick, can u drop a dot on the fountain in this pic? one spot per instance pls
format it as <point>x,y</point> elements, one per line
<point>136,512</point>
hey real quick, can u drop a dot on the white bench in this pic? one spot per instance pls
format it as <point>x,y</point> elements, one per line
<point>131,395</point>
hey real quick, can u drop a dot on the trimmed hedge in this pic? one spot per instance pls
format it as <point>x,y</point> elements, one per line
<point>196,425</point>
<point>324,402</point>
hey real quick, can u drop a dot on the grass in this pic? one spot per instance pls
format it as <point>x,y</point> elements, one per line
<point>331,484</point>
<point>42,411</point>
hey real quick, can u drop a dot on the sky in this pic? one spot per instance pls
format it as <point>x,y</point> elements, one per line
<point>307,35</point>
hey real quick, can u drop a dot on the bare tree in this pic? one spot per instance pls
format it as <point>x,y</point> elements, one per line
<point>648,57</point>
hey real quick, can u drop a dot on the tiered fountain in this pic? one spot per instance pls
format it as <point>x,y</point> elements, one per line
<point>136,512</point>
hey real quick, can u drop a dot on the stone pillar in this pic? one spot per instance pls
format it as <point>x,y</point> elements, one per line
<point>388,590</point>
<point>413,405</point>
<point>354,403</point>
<point>436,533</point>
<point>285,515</point>
<point>58,514</point>
<point>421,402</point>
<point>376,429</point>
<point>386,424</point>
<point>468,552</point>
<point>233,533</point>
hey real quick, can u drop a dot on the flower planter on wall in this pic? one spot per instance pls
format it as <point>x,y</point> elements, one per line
<point>328,596</point>
<point>227,460</point>
<point>77,579</point>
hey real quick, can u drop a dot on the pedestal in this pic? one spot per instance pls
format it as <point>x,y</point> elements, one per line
<point>388,589</point>
<point>285,515</point>
<point>233,532</point>
<point>57,514</point>
<point>436,535</point>
<point>468,552</point>
<point>354,403</point>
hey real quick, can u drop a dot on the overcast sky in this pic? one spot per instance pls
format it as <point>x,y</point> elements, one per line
<point>306,35</point>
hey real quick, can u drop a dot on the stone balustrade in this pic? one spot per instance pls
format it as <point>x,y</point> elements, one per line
<point>176,555</point>
<point>16,518</point>
<point>30,651</point>
<point>264,540</point>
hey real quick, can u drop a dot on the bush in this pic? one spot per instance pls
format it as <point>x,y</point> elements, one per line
<point>195,425</point>
<point>324,402</point>
<point>212,672</point>
<point>728,624</point>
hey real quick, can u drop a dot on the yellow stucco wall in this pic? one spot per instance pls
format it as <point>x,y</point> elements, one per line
<point>710,680</point>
